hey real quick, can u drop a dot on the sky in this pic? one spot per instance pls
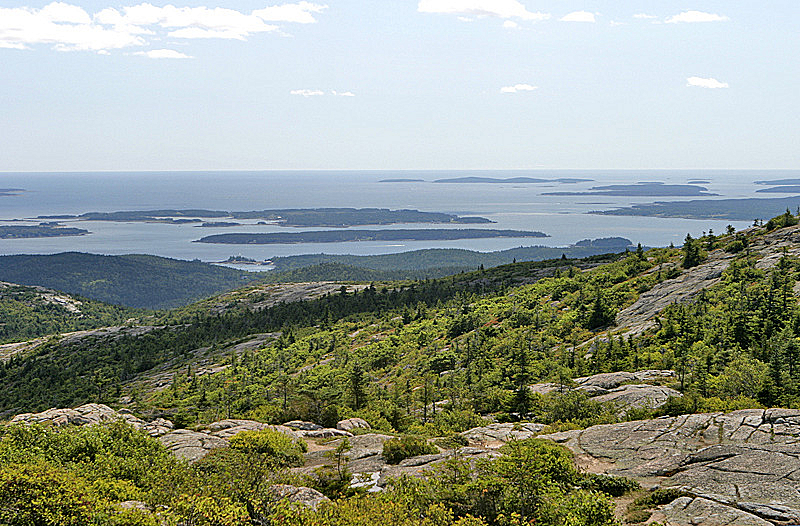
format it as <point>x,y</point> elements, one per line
<point>399,84</point>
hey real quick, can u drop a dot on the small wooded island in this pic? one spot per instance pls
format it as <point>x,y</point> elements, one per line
<point>27,232</point>
<point>642,189</point>
<point>339,236</point>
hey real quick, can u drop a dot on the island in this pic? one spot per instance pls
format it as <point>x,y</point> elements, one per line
<point>27,232</point>
<point>242,260</point>
<point>218,224</point>
<point>786,189</point>
<point>727,209</point>
<point>340,236</point>
<point>776,182</point>
<point>698,181</point>
<point>513,180</point>
<point>642,189</point>
<point>293,217</point>
<point>402,181</point>
<point>5,192</point>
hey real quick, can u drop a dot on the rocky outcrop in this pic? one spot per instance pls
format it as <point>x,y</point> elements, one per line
<point>638,396</point>
<point>495,435</point>
<point>352,423</point>
<point>312,430</point>
<point>89,414</point>
<point>736,468</point>
<point>191,445</point>
<point>616,387</point>
<point>231,427</point>
<point>608,381</point>
<point>299,495</point>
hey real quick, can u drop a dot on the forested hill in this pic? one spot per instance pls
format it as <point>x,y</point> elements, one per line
<point>30,312</point>
<point>549,348</point>
<point>135,280</point>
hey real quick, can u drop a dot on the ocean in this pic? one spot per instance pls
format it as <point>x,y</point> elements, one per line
<point>510,205</point>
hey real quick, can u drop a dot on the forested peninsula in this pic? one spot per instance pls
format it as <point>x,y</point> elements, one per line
<point>339,236</point>
<point>298,217</point>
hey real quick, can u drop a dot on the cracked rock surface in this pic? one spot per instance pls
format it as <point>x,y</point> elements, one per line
<point>739,468</point>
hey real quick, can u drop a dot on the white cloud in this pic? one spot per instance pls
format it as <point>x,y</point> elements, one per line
<point>709,83</point>
<point>307,92</point>
<point>300,13</point>
<point>61,25</point>
<point>68,27</point>
<point>61,12</point>
<point>516,88</point>
<point>465,19</point>
<point>644,16</point>
<point>510,24</point>
<point>162,53</point>
<point>343,93</point>
<point>495,8</point>
<point>696,16</point>
<point>579,16</point>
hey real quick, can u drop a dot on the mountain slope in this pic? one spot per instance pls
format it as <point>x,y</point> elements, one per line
<point>132,280</point>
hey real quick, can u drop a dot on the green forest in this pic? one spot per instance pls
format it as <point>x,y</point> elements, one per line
<point>420,360</point>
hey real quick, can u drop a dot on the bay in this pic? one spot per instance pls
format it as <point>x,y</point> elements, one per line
<point>517,206</point>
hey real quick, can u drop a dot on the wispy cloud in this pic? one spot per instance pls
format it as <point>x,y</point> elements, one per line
<point>307,92</point>
<point>516,88</point>
<point>710,83</point>
<point>578,16</point>
<point>644,16</point>
<point>162,53</point>
<point>69,28</point>
<point>510,24</point>
<point>696,16</point>
<point>481,8</point>
<point>343,93</point>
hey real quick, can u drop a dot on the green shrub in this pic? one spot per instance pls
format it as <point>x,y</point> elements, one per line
<point>275,446</point>
<point>397,449</point>
<point>611,485</point>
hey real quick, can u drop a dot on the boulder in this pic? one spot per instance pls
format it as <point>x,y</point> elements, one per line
<point>303,426</point>
<point>495,435</point>
<point>352,423</point>
<point>191,445</point>
<point>230,427</point>
<point>326,432</point>
<point>642,396</point>
<point>299,495</point>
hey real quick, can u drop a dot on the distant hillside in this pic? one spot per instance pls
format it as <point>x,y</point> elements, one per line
<point>30,312</point>
<point>133,280</point>
<point>436,260</point>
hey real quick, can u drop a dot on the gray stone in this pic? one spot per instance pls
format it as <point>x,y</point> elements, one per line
<point>739,468</point>
<point>689,511</point>
<point>352,423</point>
<point>91,414</point>
<point>495,435</point>
<point>191,445</point>
<point>299,495</point>
<point>303,426</point>
<point>638,396</point>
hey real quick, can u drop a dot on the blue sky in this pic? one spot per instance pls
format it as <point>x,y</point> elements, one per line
<point>399,84</point>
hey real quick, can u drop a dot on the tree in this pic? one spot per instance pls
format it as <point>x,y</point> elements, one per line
<point>692,255</point>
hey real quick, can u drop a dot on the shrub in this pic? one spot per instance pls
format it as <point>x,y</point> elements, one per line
<point>275,446</point>
<point>397,449</point>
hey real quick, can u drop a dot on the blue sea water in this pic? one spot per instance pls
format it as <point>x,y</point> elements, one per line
<point>511,206</point>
